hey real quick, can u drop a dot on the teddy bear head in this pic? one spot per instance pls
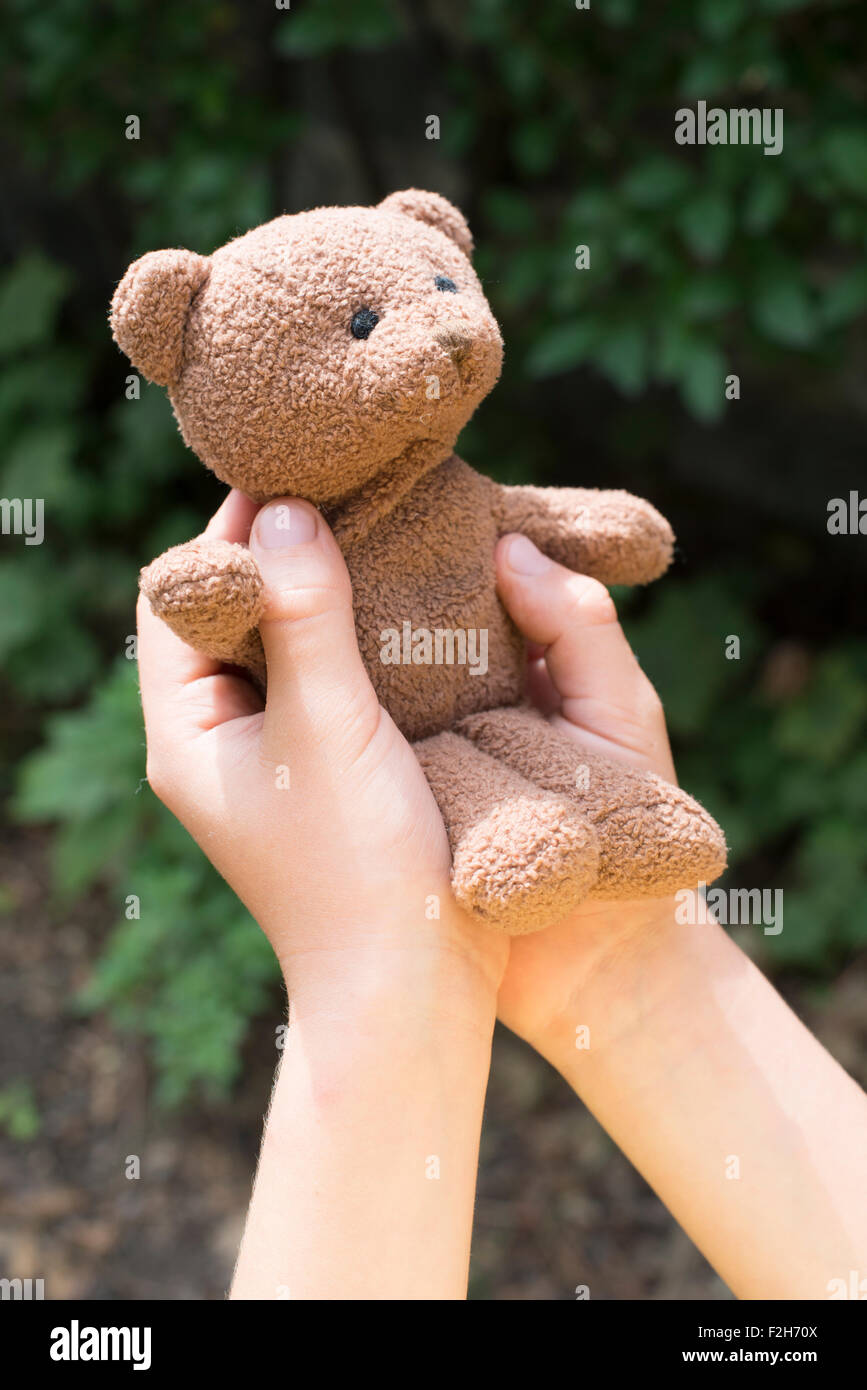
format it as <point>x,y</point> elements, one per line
<point>310,354</point>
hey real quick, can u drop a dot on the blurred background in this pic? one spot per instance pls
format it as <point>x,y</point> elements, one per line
<point>154,1034</point>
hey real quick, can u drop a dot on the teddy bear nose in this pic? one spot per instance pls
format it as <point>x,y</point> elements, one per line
<point>456,341</point>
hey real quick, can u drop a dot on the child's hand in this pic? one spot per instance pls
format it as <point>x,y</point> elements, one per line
<point>585,677</point>
<point>312,806</point>
<point>750,1133</point>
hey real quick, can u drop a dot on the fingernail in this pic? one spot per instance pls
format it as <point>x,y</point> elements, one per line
<point>524,558</point>
<point>285,523</point>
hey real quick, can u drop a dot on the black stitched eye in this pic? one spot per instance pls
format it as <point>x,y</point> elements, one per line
<point>443,282</point>
<point>363,323</point>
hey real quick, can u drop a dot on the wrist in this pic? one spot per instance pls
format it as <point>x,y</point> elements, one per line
<point>637,961</point>
<point>397,976</point>
<point>358,1042</point>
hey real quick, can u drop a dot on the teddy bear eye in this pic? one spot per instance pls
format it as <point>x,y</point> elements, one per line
<point>363,323</point>
<point>443,282</point>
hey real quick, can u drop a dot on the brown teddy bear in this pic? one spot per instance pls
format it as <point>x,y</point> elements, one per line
<point>335,355</point>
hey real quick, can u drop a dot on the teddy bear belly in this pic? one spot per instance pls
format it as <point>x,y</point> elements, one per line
<point>428,675</point>
<point>435,639</point>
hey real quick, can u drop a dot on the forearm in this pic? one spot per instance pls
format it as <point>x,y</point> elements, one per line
<point>367,1173</point>
<point>755,1139</point>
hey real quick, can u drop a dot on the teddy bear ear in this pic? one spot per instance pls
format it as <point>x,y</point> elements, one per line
<point>150,307</point>
<point>436,211</point>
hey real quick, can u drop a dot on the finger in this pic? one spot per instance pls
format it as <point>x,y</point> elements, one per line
<point>602,689</point>
<point>166,664</point>
<point>232,521</point>
<point>319,693</point>
<point>572,617</point>
<point>541,690</point>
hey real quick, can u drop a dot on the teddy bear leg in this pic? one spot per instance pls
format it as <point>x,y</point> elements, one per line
<point>653,837</point>
<point>210,594</point>
<point>522,857</point>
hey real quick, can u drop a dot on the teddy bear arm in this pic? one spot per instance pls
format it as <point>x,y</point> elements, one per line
<point>210,593</point>
<point>610,535</point>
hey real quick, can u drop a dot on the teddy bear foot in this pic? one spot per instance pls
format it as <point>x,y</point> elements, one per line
<point>526,865</point>
<point>658,845</point>
<point>653,837</point>
<point>522,857</point>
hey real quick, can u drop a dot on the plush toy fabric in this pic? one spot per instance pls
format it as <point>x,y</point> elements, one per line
<point>335,355</point>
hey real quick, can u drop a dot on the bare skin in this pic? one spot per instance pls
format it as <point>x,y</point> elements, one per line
<point>368,1167</point>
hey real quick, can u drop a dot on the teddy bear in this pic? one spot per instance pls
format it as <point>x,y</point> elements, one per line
<point>335,355</point>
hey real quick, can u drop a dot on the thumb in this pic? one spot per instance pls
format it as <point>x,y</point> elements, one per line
<point>319,694</point>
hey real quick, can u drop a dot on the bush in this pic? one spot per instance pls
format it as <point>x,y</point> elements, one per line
<point>557,131</point>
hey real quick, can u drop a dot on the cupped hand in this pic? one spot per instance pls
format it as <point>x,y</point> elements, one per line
<point>310,803</point>
<point>584,676</point>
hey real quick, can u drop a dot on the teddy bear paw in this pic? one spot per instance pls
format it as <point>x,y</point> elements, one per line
<point>208,591</point>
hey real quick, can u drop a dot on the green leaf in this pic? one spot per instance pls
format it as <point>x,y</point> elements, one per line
<point>655,182</point>
<point>705,224</point>
<point>561,348</point>
<point>593,208</point>
<point>845,151</point>
<point>675,347</point>
<point>534,145</point>
<point>764,203</point>
<point>26,608</point>
<point>705,295</point>
<point>522,71</point>
<point>39,465</point>
<point>622,353</point>
<point>93,761</point>
<point>720,18</point>
<point>702,382</point>
<point>18,1113</point>
<point>47,385</point>
<point>510,212</point>
<point>58,665</point>
<point>704,75</point>
<point>845,299</point>
<point>824,722</point>
<point>31,294</point>
<point>681,643</point>
<point>619,13</point>
<point>783,309</point>
<point>317,29</point>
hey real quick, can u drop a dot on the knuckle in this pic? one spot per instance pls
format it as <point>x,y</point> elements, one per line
<point>592,599</point>
<point>320,598</point>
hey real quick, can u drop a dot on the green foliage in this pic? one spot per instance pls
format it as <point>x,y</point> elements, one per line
<point>340,24</point>
<point>30,300</point>
<point>656,216</point>
<point>787,769</point>
<point>191,968</point>
<point>190,972</point>
<point>18,1113</point>
<point>558,126</point>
